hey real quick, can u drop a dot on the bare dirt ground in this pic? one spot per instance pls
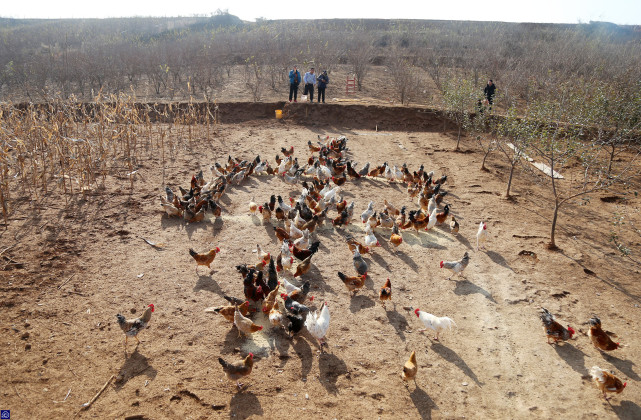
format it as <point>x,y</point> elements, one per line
<point>83,262</point>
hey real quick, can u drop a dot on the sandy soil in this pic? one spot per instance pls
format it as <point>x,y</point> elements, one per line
<point>84,262</point>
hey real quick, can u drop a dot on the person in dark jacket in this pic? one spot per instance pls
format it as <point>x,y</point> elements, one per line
<point>322,81</point>
<point>489,92</point>
<point>294,81</point>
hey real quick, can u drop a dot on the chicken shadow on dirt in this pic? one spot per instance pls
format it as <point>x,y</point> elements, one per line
<point>136,364</point>
<point>624,366</point>
<point>359,302</point>
<point>398,321</point>
<point>627,410</point>
<point>279,343</point>
<point>423,403</point>
<point>206,282</point>
<point>378,259</point>
<point>244,405</point>
<point>451,356</point>
<point>331,367</point>
<point>464,241</point>
<point>304,352</point>
<point>406,259</point>
<point>466,287</point>
<point>572,356</point>
<point>498,259</point>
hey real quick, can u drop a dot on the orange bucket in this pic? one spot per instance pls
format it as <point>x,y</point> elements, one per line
<point>279,114</point>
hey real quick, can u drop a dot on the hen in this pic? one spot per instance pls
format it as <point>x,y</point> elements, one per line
<point>317,325</point>
<point>204,259</point>
<point>553,329</point>
<point>410,368</point>
<point>457,267</point>
<point>454,226</point>
<point>245,325</point>
<point>606,381</point>
<point>359,263</point>
<point>228,311</point>
<point>600,338</point>
<point>435,323</point>
<point>385,293</point>
<point>131,327</point>
<point>353,283</point>
<point>237,370</point>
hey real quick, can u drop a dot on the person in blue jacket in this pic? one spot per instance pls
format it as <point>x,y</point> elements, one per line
<point>294,81</point>
<point>322,81</point>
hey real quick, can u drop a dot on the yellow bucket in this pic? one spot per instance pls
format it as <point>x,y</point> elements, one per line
<point>279,114</point>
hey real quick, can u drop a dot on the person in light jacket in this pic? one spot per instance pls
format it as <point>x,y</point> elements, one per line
<point>294,81</point>
<point>310,81</point>
<point>323,81</point>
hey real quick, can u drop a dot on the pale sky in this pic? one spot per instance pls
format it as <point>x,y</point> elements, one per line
<point>554,11</point>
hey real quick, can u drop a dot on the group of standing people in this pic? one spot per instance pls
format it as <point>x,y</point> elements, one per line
<point>310,80</point>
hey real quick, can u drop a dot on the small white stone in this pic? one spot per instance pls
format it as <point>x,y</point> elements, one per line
<point>306,396</point>
<point>464,384</point>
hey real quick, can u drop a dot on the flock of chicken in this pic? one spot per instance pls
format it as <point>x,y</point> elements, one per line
<point>321,178</point>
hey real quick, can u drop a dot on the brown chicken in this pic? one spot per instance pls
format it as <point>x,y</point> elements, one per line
<point>385,293</point>
<point>131,327</point>
<point>418,224</point>
<point>245,325</point>
<point>228,311</point>
<point>312,147</point>
<point>304,266</point>
<point>606,381</point>
<point>353,244</point>
<point>410,368</point>
<point>204,259</point>
<point>554,330</point>
<point>266,212</point>
<point>353,283</point>
<point>281,233</point>
<point>270,300</point>
<point>287,153</point>
<point>600,338</point>
<point>302,254</point>
<point>442,216</point>
<point>454,226</point>
<point>236,371</point>
<point>339,180</point>
<point>395,238</point>
<point>194,217</point>
<point>341,206</point>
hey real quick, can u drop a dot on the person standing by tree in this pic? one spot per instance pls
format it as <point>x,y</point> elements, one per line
<point>323,80</point>
<point>294,81</point>
<point>310,80</point>
<point>489,92</point>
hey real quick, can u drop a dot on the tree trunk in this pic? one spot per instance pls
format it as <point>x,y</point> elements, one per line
<point>458,140</point>
<point>509,181</point>
<point>483,168</point>
<point>611,158</point>
<point>552,244</point>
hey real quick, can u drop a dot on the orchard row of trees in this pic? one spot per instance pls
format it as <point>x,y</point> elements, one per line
<point>587,130</point>
<point>194,57</point>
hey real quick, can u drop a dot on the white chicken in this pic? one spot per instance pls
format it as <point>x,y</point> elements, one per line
<point>253,206</point>
<point>283,167</point>
<point>289,287</point>
<point>262,255</point>
<point>286,255</point>
<point>303,242</point>
<point>317,325</point>
<point>432,222</point>
<point>432,204</point>
<point>457,267</point>
<point>294,232</point>
<point>331,193</point>
<point>299,221</point>
<point>481,235</point>
<point>435,323</point>
<point>370,238</point>
<point>368,212</point>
